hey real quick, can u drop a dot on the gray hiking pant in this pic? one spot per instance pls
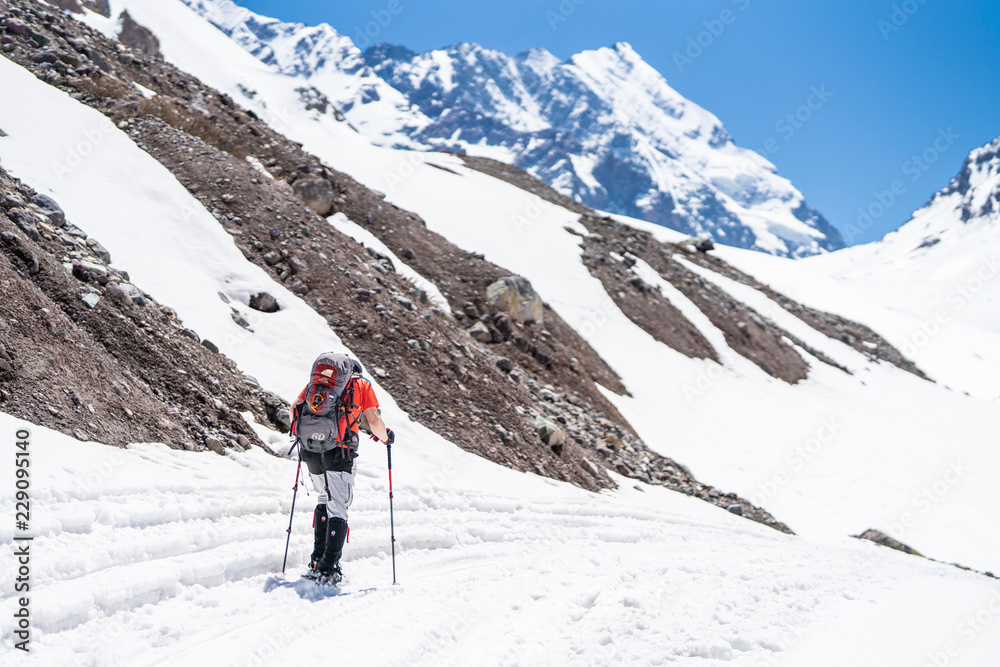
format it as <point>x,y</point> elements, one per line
<point>336,490</point>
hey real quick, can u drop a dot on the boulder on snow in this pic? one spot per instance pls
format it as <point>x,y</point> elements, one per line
<point>699,243</point>
<point>317,193</point>
<point>878,537</point>
<point>55,213</point>
<point>215,445</point>
<point>99,250</point>
<point>515,296</point>
<point>264,303</point>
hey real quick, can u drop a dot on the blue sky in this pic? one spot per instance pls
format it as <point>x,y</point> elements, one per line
<point>909,86</point>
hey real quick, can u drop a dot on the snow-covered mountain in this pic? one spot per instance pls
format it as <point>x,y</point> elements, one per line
<point>603,127</point>
<point>541,241</point>
<point>940,274</point>
<point>150,554</point>
<point>330,62</point>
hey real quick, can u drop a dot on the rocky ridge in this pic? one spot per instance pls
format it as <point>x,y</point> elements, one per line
<point>550,418</point>
<point>610,251</point>
<point>85,352</point>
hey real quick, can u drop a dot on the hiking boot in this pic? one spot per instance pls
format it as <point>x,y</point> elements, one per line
<point>313,571</point>
<point>331,577</point>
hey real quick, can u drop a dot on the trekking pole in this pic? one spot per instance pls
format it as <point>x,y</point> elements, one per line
<point>392,529</point>
<point>295,491</point>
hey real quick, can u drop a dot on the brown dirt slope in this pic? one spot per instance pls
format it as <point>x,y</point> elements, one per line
<point>119,372</point>
<point>857,335</point>
<point>761,343</point>
<point>755,342</point>
<point>500,399</point>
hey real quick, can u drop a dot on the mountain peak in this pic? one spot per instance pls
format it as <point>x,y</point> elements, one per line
<point>625,50</point>
<point>603,127</point>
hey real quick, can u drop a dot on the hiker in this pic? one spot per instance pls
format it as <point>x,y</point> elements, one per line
<point>325,421</point>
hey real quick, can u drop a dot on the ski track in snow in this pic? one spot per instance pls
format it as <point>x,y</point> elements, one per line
<point>174,562</point>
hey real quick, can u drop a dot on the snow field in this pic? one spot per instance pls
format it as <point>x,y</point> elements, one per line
<point>174,562</point>
<point>938,326</point>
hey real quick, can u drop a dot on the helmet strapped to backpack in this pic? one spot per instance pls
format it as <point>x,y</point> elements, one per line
<point>324,421</point>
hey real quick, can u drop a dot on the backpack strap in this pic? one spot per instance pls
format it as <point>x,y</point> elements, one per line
<point>346,403</point>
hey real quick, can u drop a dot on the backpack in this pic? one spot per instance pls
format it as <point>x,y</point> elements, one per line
<point>324,420</point>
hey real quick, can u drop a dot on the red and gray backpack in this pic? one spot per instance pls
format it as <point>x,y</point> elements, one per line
<point>324,421</point>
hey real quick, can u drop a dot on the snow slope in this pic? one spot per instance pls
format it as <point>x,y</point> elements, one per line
<point>167,241</point>
<point>939,273</point>
<point>832,456</point>
<point>603,127</point>
<point>152,556</point>
<point>930,288</point>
